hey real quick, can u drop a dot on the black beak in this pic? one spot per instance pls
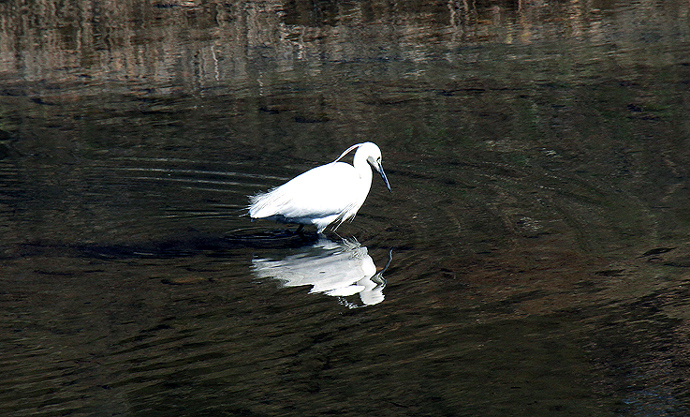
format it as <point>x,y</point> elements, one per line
<point>379,168</point>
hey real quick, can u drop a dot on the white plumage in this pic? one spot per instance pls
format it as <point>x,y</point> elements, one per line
<point>322,195</point>
<point>338,269</point>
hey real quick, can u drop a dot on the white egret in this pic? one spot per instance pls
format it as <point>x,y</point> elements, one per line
<point>322,195</point>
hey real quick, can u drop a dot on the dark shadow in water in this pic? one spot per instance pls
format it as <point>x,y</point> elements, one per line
<point>194,243</point>
<point>339,269</point>
<point>191,243</point>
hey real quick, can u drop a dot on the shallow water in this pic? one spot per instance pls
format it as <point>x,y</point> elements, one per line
<point>531,260</point>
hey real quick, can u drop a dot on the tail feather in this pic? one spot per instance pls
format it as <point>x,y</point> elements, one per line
<point>257,205</point>
<point>264,205</point>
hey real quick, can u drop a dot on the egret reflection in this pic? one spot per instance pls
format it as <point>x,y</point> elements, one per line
<point>339,269</point>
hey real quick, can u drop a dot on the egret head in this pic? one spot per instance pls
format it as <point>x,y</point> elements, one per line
<point>374,159</point>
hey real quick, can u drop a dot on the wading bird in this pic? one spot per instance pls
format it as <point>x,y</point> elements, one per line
<point>322,195</point>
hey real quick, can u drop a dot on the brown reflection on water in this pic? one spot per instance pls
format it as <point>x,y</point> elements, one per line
<point>198,43</point>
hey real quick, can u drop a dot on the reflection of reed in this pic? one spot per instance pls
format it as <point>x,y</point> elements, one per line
<point>187,42</point>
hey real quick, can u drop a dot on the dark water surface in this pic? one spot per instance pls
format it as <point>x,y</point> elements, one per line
<point>536,240</point>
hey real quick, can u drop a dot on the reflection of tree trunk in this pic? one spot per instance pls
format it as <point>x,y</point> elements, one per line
<point>184,42</point>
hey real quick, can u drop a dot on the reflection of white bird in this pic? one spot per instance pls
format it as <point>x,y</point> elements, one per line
<point>336,269</point>
<point>322,195</point>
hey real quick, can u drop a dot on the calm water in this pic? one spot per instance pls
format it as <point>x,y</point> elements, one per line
<point>532,259</point>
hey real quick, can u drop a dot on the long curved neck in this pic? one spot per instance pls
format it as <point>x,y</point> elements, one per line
<point>363,169</point>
